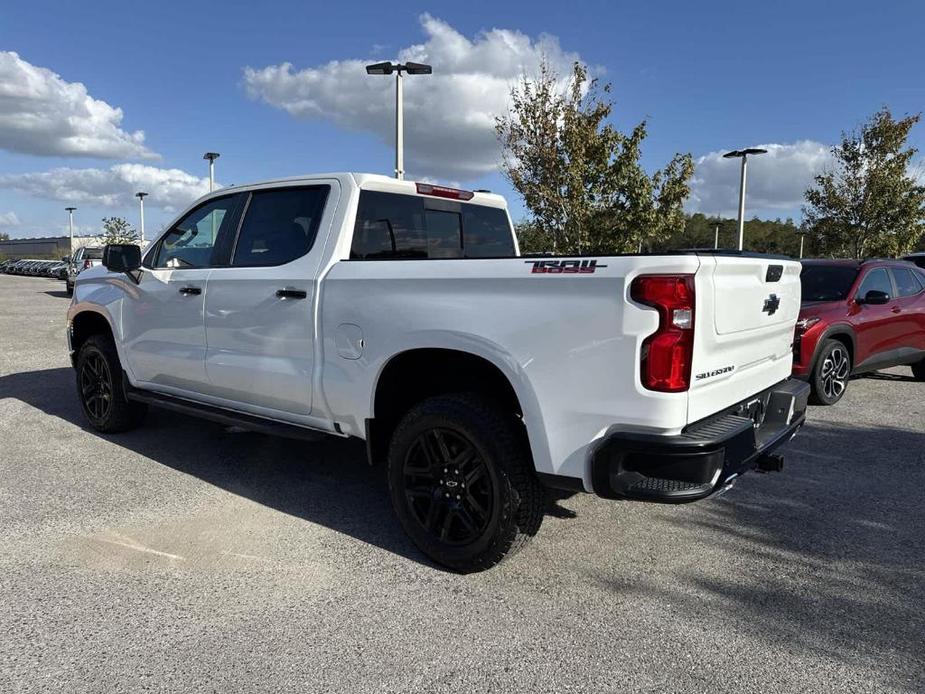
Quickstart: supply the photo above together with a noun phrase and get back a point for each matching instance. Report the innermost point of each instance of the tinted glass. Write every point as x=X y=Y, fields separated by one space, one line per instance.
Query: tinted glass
x=93 y=253
x=279 y=225
x=389 y=226
x=876 y=280
x=826 y=282
x=193 y=241
x=486 y=232
x=906 y=282
x=444 y=234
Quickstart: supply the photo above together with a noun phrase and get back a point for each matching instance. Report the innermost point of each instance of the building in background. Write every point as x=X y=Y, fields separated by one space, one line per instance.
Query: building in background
x=46 y=247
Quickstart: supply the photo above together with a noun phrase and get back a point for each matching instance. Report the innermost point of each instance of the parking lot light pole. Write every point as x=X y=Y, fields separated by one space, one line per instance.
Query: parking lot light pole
x=141 y=212
x=211 y=156
x=398 y=68
x=743 y=155
x=70 y=228
x=718 y=223
x=802 y=238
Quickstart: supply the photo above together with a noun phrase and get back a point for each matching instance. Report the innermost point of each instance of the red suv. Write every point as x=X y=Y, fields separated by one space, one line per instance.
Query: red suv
x=858 y=316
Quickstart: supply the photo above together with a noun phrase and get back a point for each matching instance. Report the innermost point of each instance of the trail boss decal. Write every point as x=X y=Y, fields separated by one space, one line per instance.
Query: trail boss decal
x=714 y=372
x=563 y=267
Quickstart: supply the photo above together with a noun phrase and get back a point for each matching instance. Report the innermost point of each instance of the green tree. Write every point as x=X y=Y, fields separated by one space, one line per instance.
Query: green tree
x=118 y=230
x=579 y=176
x=869 y=203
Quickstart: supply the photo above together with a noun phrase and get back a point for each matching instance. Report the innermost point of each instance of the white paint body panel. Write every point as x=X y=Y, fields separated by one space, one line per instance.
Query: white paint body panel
x=569 y=344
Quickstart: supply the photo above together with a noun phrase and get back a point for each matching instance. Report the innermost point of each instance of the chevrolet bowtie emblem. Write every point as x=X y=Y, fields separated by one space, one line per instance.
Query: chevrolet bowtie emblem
x=771 y=304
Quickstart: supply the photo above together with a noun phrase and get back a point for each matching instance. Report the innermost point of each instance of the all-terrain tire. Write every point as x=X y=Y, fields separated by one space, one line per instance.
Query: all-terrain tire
x=439 y=446
x=831 y=372
x=99 y=387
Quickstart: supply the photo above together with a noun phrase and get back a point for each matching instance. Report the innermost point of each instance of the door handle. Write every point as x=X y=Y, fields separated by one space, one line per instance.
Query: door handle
x=291 y=294
x=190 y=290
x=896 y=309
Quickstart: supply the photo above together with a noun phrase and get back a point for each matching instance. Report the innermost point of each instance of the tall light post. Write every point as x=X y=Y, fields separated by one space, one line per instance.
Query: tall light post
x=70 y=228
x=211 y=156
x=398 y=69
x=141 y=211
x=802 y=238
x=743 y=154
x=718 y=223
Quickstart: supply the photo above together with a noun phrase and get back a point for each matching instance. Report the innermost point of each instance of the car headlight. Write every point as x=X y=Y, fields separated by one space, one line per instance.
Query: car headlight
x=805 y=324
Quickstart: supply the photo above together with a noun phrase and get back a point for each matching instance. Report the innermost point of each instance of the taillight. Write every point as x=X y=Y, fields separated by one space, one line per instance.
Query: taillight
x=667 y=353
x=88 y=264
x=443 y=191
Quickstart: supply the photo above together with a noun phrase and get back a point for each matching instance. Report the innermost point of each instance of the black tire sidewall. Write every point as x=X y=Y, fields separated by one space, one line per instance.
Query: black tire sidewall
x=443 y=413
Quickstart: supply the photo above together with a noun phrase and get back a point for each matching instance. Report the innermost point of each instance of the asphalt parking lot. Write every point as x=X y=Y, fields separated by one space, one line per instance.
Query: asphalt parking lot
x=187 y=557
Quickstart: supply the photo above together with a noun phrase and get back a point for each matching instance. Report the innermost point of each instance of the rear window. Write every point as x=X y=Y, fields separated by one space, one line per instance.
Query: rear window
x=907 y=283
x=827 y=282
x=93 y=253
x=391 y=225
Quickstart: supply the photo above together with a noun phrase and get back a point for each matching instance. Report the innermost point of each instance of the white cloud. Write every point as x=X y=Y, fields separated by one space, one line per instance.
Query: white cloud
x=776 y=180
x=449 y=116
x=9 y=219
x=116 y=186
x=40 y=113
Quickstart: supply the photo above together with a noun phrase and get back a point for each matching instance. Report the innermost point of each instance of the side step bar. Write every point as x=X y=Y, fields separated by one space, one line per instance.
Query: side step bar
x=227 y=417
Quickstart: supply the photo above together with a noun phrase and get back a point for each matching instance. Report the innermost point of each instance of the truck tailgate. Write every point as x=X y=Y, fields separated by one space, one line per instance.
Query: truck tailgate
x=746 y=308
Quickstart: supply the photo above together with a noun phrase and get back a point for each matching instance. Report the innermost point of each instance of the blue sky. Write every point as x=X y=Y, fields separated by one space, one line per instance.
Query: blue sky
x=707 y=76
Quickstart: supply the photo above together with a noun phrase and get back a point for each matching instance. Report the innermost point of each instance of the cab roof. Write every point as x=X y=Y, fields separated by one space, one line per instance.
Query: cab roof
x=370 y=181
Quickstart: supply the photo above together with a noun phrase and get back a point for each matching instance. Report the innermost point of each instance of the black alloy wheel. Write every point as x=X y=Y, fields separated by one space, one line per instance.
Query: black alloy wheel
x=96 y=387
x=99 y=387
x=447 y=485
x=462 y=481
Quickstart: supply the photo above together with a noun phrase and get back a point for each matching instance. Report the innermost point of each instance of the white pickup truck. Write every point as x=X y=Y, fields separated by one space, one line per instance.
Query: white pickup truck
x=402 y=313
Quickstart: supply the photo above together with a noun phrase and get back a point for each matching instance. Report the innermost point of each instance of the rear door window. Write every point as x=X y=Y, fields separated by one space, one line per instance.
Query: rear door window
x=907 y=283
x=279 y=226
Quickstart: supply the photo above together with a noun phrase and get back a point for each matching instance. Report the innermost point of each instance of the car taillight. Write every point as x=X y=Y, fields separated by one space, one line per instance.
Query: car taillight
x=88 y=264
x=667 y=353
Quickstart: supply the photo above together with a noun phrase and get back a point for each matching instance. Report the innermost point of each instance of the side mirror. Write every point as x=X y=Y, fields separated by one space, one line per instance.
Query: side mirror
x=875 y=297
x=66 y=259
x=122 y=257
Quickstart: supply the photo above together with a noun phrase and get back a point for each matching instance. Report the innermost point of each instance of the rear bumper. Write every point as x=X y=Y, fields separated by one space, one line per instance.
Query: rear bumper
x=706 y=457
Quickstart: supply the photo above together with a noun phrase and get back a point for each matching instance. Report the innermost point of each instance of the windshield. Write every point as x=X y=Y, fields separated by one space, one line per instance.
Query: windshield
x=827 y=282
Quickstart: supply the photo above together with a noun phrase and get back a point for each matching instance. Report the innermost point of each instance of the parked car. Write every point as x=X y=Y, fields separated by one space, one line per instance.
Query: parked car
x=916 y=258
x=5 y=265
x=59 y=270
x=400 y=313
x=84 y=258
x=858 y=317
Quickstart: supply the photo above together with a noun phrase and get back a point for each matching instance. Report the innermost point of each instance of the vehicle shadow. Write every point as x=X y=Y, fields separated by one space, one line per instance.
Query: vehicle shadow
x=830 y=555
x=327 y=482
x=885 y=376
x=58 y=293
